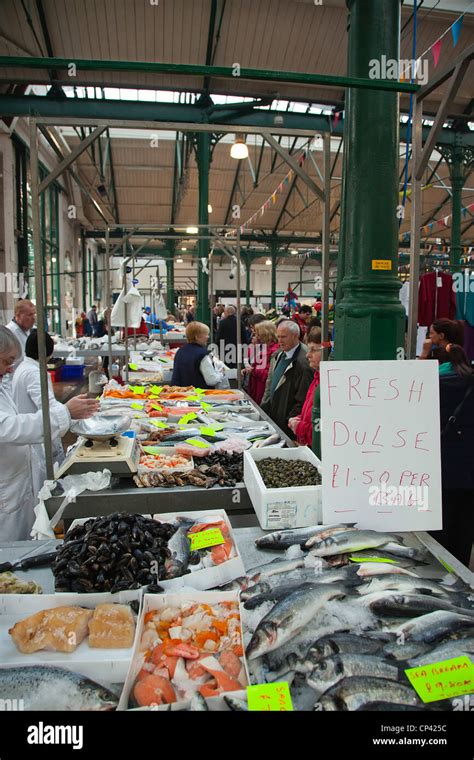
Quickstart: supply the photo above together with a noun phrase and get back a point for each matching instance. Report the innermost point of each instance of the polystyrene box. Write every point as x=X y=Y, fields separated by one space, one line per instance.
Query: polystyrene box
x=280 y=508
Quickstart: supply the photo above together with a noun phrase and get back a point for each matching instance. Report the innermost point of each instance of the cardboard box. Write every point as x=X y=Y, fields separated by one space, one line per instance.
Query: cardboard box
x=108 y=665
x=160 y=602
x=280 y=508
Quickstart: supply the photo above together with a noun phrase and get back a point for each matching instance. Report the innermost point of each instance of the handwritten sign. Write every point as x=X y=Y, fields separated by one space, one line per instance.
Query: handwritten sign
x=267 y=697
x=187 y=418
x=199 y=391
x=381 y=444
x=138 y=389
x=152 y=450
x=157 y=407
x=205 y=538
x=207 y=407
x=207 y=431
x=196 y=442
x=442 y=680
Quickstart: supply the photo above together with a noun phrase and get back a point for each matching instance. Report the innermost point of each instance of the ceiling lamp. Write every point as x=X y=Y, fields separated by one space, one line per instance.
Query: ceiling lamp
x=179 y=261
x=294 y=252
x=268 y=262
x=192 y=230
x=209 y=208
x=239 y=149
x=184 y=248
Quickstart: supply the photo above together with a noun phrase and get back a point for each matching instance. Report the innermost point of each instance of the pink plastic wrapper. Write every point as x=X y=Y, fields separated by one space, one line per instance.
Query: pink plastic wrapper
x=187 y=450
x=235 y=445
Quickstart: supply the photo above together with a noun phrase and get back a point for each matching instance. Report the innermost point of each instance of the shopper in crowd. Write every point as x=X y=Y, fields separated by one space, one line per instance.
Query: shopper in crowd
x=288 y=379
x=79 y=325
x=246 y=313
x=193 y=363
x=264 y=344
x=93 y=319
x=217 y=313
x=226 y=337
x=313 y=322
x=253 y=321
x=442 y=332
x=456 y=392
x=190 y=315
x=302 y=318
x=101 y=327
x=86 y=326
x=18 y=433
x=302 y=425
x=23 y=320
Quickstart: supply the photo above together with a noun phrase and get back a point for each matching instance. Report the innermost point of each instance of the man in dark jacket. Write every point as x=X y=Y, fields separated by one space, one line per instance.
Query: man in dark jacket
x=456 y=392
x=226 y=338
x=288 y=379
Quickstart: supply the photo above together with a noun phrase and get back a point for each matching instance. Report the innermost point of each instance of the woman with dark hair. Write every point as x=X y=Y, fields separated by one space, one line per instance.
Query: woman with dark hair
x=442 y=332
x=302 y=425
x=456 y=392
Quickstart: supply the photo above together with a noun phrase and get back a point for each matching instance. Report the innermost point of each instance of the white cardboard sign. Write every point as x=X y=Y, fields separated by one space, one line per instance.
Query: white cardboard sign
x=380 y=437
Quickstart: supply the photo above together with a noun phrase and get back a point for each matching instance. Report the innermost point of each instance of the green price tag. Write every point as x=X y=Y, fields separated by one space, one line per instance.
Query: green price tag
x=156 y=389
x=138 y=389
x=205 y=538
x=207 y=407
x=199 y=390
x=373 y=559
x=187 y=418
x=136 y=406
x=157 y=407
x=97 y=398
x=207 y=431
x=151 y=450
x=268 y=697
x=443 y=680
x=445 y=564
x=159 y=424
x=133 y=367
x=198 y=444
x=193 y=398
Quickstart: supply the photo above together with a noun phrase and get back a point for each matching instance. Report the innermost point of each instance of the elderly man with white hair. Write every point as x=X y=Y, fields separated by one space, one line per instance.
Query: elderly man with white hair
x=18 y=433
x=288 y=379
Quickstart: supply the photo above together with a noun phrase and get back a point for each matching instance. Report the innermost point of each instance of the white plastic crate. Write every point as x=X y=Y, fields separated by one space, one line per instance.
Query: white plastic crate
x=280 y=508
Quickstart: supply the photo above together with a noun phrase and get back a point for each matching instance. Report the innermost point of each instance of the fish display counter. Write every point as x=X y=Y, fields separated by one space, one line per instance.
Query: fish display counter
x=339 y=614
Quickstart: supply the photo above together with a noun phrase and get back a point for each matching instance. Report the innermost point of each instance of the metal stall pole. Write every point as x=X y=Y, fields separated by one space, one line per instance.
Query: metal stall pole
x=415 y=231
x=325 y=248
x=134 y=329
x=239 y=324
x=211 y=291
x=124 y=286
x=40 y=311
x=108 y=298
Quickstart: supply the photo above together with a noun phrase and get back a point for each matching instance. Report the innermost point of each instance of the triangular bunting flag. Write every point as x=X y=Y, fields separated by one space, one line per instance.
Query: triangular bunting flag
x=446 y=221
x=456 y=30
x=436 y=50
x=430 y=226
x=464 y=211
x=337 y=116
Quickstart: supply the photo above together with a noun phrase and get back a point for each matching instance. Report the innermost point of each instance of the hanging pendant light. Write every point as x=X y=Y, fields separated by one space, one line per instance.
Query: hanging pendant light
x=239 y=149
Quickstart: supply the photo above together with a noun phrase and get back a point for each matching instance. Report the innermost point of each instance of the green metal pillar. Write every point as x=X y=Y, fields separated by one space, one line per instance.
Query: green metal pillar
x=248 y=264
x=370 y=318
x=170 y=295
x=460 y=160
x=203 y=140
x=273 y=256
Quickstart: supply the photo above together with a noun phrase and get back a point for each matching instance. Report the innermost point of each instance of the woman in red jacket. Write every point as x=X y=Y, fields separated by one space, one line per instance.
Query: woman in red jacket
x=302 y=426
x=264 y=344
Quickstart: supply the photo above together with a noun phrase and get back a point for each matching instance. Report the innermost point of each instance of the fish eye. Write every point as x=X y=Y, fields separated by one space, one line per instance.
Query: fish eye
x=323 y=665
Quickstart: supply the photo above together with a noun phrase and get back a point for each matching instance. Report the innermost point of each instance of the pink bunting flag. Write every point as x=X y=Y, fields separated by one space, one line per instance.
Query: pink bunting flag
x=436 y=50
x=337 y=116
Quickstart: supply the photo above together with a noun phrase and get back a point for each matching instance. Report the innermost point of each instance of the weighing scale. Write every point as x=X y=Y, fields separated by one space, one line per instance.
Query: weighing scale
x=102 y=444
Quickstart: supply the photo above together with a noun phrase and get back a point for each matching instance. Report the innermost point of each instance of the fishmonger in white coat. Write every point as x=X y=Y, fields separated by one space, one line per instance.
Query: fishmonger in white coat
x=18 y=432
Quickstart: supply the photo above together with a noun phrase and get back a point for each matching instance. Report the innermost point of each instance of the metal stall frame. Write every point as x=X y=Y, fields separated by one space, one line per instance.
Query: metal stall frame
x=454 y=72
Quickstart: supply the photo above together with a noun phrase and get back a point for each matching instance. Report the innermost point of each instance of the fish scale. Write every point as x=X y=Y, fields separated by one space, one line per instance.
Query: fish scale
x=43 y=687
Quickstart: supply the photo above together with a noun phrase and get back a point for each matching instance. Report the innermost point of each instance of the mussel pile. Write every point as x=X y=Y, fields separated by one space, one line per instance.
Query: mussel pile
x=287 y=473
x=114 y=553
x=220 y=468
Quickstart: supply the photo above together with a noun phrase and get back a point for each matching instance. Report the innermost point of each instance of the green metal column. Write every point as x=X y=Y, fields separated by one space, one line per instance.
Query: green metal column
x=273 y=256
x=370 y=318
x=203 y=140
x=460 y=160
x=248 y=264
x=170 y=295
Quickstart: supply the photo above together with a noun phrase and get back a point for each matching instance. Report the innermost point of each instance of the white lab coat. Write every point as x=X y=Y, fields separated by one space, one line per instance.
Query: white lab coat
x=26 y=386
x=17 y=433
x=19 y=333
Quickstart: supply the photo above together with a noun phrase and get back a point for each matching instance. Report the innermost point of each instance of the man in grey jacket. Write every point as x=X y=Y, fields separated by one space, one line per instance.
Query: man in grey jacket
x=288 y=379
